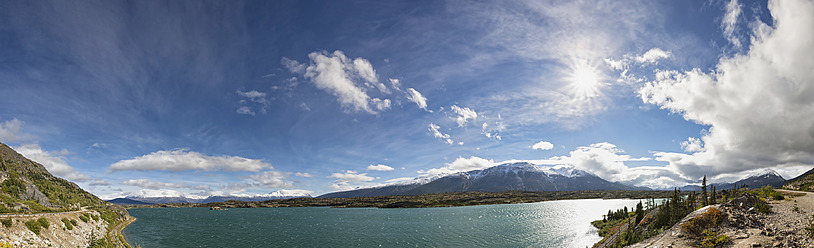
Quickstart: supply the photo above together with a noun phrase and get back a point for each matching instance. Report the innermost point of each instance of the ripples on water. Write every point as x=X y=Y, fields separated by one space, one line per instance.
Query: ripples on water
x=545 y=224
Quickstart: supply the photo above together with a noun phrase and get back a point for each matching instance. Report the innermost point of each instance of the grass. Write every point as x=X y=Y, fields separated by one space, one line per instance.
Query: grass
x=712 y=239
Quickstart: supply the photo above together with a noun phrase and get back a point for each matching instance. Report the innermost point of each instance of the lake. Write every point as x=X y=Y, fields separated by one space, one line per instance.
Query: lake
x=564 y=223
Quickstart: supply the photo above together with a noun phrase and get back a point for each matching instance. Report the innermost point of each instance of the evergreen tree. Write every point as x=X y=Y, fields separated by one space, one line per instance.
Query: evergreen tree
x=713 y=196
x=639 y=212
x=704 y=199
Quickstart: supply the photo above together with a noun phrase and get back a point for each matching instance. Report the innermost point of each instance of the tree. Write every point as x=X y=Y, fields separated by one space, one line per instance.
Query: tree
x=704 y=199
x=639 y=212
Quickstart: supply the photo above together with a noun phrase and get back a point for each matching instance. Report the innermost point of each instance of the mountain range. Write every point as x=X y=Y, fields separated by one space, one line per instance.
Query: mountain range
x=755 y=180
x=520 y=176
x=147 y=200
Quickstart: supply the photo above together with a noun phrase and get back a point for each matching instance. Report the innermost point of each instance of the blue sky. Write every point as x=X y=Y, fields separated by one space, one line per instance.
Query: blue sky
x=248 y=98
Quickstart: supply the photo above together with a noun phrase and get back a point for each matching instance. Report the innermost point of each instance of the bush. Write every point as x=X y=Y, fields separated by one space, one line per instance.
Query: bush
x=67 y=223
x=712 y=239
x=6 y=222
x=762 y=206
x=696 y=226
x=94 y=217
x=44 y=222
x=34 y=226
x=74 y=222
x=84 y=218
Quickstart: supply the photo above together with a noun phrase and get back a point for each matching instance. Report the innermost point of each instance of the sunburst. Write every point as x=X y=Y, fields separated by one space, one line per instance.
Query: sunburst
x=584 y=81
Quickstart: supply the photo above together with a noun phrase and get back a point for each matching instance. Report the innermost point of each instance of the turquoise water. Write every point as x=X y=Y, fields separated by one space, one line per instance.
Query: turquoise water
x=545 y=224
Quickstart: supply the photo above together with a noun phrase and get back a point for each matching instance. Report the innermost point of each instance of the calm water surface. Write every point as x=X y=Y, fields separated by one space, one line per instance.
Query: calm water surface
x=545 y=224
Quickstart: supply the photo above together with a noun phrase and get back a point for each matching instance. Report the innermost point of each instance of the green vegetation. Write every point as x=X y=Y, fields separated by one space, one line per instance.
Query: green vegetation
x=67 y=223
x=713 y=239
x=37 y=225
x=74 y=222
x=84 y=218
x=6 y=222
x=767 y=192
x=700 y=224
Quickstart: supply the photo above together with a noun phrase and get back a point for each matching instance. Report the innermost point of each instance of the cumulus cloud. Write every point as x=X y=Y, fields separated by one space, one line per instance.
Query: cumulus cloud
x=274 y=179
x=347 y=79
x=435 y=131
x=183 y=159
x=379 y=167
x=543 y=145
x=417 y=98
x=53 y=162
x=729 y=22
x=463 y=115
x=396 y=83
x=11 y=131
x=293 y=66
x=460 y=164
x=759 y=105
x=149 y=184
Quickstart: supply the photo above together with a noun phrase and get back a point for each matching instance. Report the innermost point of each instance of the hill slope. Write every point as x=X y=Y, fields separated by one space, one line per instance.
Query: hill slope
x=804 y=182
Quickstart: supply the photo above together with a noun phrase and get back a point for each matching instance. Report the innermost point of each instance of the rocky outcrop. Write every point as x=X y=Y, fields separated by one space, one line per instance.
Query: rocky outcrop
x=33 y=193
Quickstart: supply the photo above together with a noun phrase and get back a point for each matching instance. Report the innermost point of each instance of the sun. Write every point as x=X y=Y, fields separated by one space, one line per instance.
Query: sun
x=584 y=80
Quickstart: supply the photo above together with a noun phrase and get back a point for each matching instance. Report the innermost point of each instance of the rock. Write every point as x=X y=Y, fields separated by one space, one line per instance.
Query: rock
x=741 y=236
x=777 y=244
x=756 y=244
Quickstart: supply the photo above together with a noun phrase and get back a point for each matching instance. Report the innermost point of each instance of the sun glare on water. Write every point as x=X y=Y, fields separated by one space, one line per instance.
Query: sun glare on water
x=584 y=80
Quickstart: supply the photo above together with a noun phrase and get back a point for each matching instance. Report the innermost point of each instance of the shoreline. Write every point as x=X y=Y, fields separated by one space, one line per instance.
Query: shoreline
x=117 y=230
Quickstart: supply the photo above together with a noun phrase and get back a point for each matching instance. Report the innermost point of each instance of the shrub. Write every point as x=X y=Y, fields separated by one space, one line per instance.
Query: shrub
x=44 y=222
x=74 y=222
x=67 y=223
x=762 y=206
x=712 y=239
x=34 y=226
x=6 y=222
x=84 y=218
x=94 y=217
x=696 y=226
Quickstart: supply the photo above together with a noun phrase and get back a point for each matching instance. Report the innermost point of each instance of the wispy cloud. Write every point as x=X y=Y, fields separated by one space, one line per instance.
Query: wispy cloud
x=417 y=98
x=436 y=132
x=12 y=131
x=463 y=115
x=149 y=184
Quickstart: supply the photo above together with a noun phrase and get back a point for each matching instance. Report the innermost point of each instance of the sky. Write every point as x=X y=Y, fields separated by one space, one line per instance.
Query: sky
x=199 y=98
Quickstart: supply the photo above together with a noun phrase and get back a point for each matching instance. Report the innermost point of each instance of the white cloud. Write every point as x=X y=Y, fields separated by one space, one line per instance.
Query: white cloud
x=543 y=145
x=274 y=179
x=99 y=182
x=257 y=98
x=460 y=164
x=149 y=184
x=11 y=131
x=652 y=56
x=54 y=163
x=692 y=145
x=729 y=22
x=352 y=176
x=417 y=98
x=245 y=110
x=759 y=105
x=464 y=115
x=350 y=180
x=395 y=83
x=183 y=159
x=337 y=74
x=303 y=174
x=434 y=130
x=293 y=66
x=379 y=167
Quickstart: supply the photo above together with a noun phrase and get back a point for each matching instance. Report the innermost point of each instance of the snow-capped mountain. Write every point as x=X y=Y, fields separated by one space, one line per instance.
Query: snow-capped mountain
x=754 y=180
x=191 y=198
x=510 y=176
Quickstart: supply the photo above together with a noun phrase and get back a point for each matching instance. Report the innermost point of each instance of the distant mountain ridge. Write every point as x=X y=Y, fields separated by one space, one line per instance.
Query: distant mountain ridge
x=146 y=200
x=521 y=176
x=755 y=180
